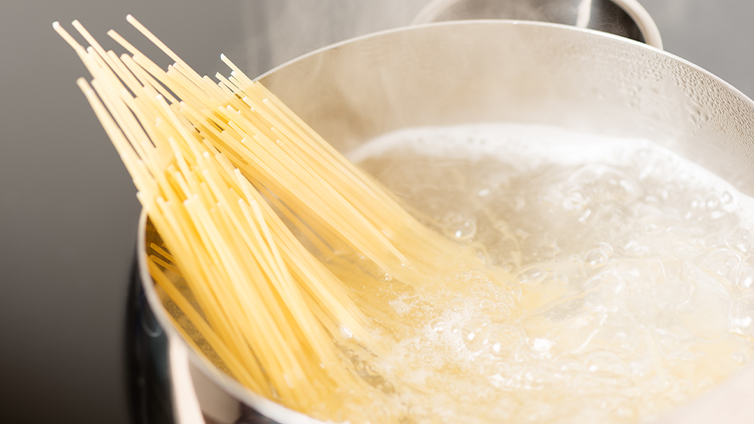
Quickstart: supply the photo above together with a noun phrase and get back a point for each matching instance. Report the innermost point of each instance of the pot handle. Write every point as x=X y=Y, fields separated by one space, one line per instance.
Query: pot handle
x=186 y=408
x=432 y=12
x=642 y=19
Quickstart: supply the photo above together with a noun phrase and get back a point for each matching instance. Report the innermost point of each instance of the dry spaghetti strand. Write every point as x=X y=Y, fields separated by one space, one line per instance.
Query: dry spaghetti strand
x=224 y=171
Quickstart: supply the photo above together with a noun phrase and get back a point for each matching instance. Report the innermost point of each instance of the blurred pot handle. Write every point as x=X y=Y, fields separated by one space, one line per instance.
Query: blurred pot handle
x=432 y=11
x=646 y=24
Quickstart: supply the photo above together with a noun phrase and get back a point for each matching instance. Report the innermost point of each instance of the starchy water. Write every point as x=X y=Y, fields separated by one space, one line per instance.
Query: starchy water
x=631 y=286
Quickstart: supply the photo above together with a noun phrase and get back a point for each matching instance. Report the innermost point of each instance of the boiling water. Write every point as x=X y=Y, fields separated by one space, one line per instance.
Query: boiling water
x=632 y=276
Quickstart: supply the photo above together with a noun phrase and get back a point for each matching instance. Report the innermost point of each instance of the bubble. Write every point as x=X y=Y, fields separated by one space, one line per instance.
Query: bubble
x=596 y=258
x=742 y=315
x=722 y=262
x=474 y=333
x=636 y=249
x=373 y=370
x=741 y=239
x=542 y=346
x=532 y=275
x=503 y=309
x=438 y=326
x=535 y=378
x=745 y=281
x=459 y=227
x=457 y=306
x=641 y=367
x=487 y=305
x=504 y=340
x=602 y=183
x=728 y=201
x=739 y=357
x=575 y=200
x=463 y=276
x=711 y=201
x=502 y=381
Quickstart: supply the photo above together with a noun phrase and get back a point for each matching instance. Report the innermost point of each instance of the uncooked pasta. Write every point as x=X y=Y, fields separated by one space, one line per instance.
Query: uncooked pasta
x=236 y=184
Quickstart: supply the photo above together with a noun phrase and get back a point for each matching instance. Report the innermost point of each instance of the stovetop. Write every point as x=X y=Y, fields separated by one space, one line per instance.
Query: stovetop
x=69 y=211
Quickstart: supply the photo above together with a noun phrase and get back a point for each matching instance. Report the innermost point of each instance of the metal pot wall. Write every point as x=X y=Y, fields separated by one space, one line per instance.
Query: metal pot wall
x=487 y=71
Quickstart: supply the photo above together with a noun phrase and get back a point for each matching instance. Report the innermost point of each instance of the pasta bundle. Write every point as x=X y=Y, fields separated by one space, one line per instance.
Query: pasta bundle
x=227 y=174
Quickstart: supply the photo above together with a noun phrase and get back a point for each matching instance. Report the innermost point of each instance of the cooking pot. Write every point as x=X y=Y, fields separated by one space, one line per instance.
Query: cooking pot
x=490 y=71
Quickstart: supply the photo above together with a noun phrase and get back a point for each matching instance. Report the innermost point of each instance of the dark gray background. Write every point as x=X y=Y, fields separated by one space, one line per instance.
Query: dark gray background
x=67 y=204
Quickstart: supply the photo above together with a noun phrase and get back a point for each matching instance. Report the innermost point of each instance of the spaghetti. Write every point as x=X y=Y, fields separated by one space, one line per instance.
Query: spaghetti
x=228 y=174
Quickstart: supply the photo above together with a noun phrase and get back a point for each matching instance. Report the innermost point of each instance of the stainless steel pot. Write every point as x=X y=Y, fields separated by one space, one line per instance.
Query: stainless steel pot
x=482 y=71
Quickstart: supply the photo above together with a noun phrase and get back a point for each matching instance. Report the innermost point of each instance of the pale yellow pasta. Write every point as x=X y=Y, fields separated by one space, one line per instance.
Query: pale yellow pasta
x=221 y=168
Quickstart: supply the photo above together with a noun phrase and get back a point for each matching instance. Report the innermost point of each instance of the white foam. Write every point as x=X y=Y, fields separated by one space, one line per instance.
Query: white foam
x=631 y=265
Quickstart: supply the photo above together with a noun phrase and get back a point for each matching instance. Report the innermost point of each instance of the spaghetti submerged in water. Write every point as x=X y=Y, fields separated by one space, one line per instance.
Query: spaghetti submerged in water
x=227 y=174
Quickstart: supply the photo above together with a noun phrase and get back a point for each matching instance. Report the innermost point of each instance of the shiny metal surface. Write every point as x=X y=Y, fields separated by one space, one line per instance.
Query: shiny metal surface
x=626 y=18
x=460 y=72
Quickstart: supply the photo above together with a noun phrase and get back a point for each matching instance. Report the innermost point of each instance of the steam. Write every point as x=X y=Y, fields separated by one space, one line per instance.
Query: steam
x=277 y=31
